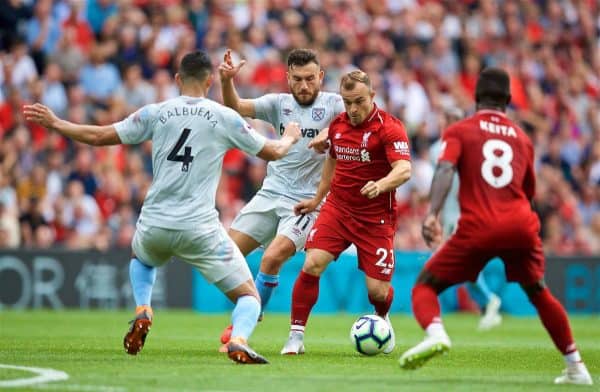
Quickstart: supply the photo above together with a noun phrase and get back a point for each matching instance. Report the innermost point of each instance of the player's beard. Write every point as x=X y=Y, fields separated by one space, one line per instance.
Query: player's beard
x=305 y=100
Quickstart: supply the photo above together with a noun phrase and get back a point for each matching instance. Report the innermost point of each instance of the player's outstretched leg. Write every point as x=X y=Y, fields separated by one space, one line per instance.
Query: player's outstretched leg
x=304 y=297
x=555 y=320
x=264 y=284
x=244 y=318
x=426 y=309
x=142 y=279
x=140 y=326
x=382 y=308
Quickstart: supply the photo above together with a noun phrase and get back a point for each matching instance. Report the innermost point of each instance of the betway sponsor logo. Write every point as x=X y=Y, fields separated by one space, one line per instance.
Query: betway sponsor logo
x=306 y=132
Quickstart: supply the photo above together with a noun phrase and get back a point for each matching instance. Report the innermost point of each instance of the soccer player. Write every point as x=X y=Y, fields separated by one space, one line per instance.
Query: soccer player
x=485 y=298
x=268 y=219
x=190 y=134
x=494 y=161
x=368 y=159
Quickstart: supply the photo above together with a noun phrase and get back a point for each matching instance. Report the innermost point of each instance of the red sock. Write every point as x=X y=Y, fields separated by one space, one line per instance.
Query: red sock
x=554 y=318
x=383 y=307
x=426 y=307
x=304 y=297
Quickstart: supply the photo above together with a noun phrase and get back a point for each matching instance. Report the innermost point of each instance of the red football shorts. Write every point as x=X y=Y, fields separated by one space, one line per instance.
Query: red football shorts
x=334 y=232
x=463 y=256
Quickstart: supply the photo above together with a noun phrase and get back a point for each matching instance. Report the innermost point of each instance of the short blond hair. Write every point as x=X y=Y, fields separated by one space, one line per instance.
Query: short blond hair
x=350 y=79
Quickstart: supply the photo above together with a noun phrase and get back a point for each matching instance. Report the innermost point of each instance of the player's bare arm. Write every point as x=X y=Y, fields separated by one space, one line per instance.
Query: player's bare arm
x=320 y=143
x=89 y=134
x=307 y=206
x=277 y=149
x=399 y=174
x=440 y=186
x=227 y=71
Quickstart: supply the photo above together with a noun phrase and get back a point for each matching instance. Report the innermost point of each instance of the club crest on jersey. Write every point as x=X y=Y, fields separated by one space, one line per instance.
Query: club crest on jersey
x=365 y=139
x=365 y=156
x=286 y=111
x=318 y=114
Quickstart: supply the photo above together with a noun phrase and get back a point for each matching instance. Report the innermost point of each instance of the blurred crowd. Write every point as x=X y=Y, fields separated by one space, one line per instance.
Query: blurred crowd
x=96 y=61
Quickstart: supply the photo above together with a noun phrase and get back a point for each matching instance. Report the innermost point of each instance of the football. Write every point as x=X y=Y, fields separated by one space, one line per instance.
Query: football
x=370 y=334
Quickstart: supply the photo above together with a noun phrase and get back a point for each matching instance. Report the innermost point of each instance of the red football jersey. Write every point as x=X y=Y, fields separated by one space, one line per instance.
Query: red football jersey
x=364 y=153
x=494 y=160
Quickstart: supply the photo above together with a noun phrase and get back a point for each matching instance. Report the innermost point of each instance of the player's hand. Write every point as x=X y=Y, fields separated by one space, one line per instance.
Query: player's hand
x=292 y=129
x=371 y=190
x=320 y=143
x=40 y=114
x=227 y=69
x=432 y=231
x=306 y=206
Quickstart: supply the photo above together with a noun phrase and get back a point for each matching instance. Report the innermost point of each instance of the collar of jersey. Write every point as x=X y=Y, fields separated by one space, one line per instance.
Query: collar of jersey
x=491 y=111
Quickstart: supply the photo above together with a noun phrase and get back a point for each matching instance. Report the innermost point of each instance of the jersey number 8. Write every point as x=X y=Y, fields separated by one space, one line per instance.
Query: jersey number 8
x=502 y=162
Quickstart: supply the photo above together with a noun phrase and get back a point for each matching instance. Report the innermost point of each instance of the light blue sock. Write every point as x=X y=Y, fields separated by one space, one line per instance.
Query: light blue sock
x=265 y=284
x=245 y=316
x=142 y=279
x=480 y=291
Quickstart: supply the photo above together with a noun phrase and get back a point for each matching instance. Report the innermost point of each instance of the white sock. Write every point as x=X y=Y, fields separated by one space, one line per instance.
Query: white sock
x=297 y=328
x=573 y=357
x=436 y=328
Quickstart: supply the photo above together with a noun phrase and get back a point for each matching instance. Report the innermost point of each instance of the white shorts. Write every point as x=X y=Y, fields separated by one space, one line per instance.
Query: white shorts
x=208 y=248
x=266 y=216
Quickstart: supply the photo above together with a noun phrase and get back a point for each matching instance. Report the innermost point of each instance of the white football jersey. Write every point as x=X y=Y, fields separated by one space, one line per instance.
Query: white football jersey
x=297 y=175
x=189 y=138
x=451 y=209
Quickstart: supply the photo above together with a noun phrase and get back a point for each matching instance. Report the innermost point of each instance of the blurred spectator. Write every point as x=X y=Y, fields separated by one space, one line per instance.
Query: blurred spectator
x=54 y=94
x=99 y=93
x=43 y=32
x=19 y=67
x=135 y=91
x=81 y=215
x=82 y=171
x=82 y=31
x=98 y=11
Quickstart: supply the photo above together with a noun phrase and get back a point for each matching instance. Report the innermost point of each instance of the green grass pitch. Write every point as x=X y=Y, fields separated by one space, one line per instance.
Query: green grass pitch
x=181 y=355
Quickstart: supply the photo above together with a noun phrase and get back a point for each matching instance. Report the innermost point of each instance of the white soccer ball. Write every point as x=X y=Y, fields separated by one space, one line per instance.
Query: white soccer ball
x=370 y=334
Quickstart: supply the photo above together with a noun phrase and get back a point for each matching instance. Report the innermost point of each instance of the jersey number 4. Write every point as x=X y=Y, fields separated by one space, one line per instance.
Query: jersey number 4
x=187 y=157
x=503 y=173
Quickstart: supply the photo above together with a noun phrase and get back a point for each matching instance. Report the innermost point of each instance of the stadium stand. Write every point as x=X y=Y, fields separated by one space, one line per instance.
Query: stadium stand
x=96 y=61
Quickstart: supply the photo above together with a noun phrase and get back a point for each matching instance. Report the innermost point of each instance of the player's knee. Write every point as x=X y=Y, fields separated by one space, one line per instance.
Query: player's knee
x=378 y=294
x=428 y=279
x=272 y=261
x=313 y=267
x=533 y=289
x=245 y=289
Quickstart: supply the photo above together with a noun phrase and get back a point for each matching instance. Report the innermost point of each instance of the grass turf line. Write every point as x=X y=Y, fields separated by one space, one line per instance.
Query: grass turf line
x=181 y=354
